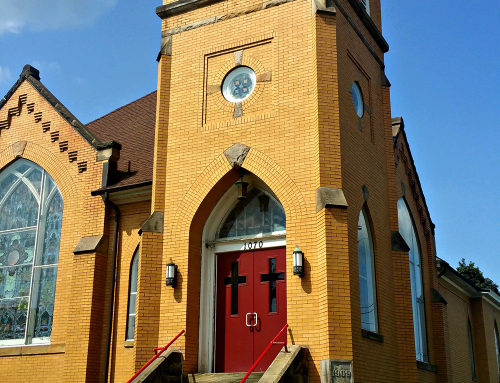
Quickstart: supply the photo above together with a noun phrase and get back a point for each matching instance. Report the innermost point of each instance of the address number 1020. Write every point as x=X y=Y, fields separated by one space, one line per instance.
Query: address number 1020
x=253 y=245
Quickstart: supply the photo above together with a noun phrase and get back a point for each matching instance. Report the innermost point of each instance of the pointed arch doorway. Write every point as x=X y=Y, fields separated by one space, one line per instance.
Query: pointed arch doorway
x=243 y=280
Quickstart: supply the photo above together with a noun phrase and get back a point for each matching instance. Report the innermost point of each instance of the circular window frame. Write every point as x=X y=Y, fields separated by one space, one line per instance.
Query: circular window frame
x=357 y=94
x=230 y=75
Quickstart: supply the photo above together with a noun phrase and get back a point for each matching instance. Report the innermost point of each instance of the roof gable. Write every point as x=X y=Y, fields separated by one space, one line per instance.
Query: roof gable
x=402 y=153
x=32 y=76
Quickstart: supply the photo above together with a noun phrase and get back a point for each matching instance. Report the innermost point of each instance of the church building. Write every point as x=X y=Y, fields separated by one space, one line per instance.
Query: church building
x=263 y=192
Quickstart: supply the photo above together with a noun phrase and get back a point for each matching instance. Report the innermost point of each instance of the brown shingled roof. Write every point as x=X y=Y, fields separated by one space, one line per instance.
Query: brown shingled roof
x=133 y=126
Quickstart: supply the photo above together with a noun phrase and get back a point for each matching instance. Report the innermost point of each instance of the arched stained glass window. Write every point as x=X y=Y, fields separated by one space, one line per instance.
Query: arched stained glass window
x=259 y=213
x=367 y=290
x=408 y=232
x=132 y=296
x=31 y=210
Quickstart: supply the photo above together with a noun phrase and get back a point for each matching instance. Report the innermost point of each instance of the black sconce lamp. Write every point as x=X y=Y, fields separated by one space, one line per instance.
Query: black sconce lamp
x=171 y=279
x=298 y=262
x=241 y=186
x=264 y=203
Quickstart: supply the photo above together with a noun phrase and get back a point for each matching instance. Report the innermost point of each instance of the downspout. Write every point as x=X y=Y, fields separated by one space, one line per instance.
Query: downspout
x=112 y=280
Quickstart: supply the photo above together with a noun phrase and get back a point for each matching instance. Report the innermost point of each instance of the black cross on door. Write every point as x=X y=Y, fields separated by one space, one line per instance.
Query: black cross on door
x=234 y=281
x=272 y=277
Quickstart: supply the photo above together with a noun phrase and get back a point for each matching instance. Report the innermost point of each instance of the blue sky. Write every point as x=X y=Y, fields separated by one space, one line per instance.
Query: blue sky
x=443 y=63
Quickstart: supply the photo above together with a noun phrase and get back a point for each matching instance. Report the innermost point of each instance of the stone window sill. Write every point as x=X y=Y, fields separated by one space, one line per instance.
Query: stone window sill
x=372 y=335
x=36 y=349
x=426 y=366
x=128 y=344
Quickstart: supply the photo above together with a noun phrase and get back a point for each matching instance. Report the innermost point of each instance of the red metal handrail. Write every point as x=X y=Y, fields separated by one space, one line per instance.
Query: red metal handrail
x=157 y=354
x=266 y=350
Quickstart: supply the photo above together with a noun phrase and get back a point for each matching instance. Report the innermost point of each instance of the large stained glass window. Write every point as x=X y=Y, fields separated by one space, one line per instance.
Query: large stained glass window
x=366 y=262
x=31 y=210
x=259 y=213
x=408 y=232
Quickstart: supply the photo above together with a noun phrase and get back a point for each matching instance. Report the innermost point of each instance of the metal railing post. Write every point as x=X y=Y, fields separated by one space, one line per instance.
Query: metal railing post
x=157 y=354
x=265 y=351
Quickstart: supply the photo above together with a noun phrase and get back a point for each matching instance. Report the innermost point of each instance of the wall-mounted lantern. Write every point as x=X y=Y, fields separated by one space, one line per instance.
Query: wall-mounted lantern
x=298 y=262
x=264 y=203
x=171 y=279
x=241 y=187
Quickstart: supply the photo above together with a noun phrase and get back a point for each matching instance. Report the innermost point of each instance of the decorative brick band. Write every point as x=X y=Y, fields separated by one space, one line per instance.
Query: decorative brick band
x=167 y=42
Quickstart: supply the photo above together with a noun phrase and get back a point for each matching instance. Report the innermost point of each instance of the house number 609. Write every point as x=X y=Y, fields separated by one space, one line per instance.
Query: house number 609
x=253 y=245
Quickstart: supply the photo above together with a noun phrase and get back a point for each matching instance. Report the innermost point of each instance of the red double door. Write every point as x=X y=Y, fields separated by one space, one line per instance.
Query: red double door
x=251 y=308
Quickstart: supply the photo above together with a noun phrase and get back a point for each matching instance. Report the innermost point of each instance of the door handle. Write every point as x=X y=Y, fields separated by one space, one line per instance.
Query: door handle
x=246 y=319
x=256 y=319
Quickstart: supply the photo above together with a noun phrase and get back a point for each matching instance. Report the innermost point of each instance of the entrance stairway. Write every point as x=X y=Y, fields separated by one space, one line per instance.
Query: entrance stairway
x=223 y=378
x=287 y=367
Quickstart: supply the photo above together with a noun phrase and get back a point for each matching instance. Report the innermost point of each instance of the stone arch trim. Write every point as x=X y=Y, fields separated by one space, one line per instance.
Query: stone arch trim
x=256 y=162
x=48 y=162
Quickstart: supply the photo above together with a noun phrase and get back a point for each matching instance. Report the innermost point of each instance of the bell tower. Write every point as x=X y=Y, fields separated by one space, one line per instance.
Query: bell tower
x=295 y=91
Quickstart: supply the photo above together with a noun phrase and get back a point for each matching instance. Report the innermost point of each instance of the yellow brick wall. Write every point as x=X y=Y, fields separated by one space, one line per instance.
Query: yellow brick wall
x=83 y=216
x=459 y=310
x=122 y=364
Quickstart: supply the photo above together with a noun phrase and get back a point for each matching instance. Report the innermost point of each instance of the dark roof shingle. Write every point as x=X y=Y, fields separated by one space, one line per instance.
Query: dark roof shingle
x=133 y=126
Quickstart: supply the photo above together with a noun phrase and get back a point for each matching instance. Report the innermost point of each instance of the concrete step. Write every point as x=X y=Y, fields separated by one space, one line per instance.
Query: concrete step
x=224 y=378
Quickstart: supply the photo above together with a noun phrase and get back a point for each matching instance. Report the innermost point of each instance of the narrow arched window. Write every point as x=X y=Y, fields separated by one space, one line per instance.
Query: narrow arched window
x=132 y=297
x=408 y=232
x=31 y=209
x=497 y=348
x=471 y=351
x=367 y=289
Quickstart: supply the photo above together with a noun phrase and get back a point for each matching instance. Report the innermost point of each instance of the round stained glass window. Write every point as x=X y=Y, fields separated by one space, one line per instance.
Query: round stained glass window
x=239 y=84
x=357 y=99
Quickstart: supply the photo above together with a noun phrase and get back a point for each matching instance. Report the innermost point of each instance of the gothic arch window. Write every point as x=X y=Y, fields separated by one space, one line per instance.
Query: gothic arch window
x=132 y=296
x=31 y=209
x=408 y=232
x=259 y=214
x=497 y=348
x=471 y=350
x=367 y=287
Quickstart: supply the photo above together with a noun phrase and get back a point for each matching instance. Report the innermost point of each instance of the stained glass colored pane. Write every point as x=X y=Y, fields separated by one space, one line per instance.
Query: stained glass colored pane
x=6 y=184
x=13 y=314
x=258 y=214
x=239 y=84
x=34 y=176
x=15 y=281
x=19 y=208
x=17 y=248
x=52 y=236
x=43 y=295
